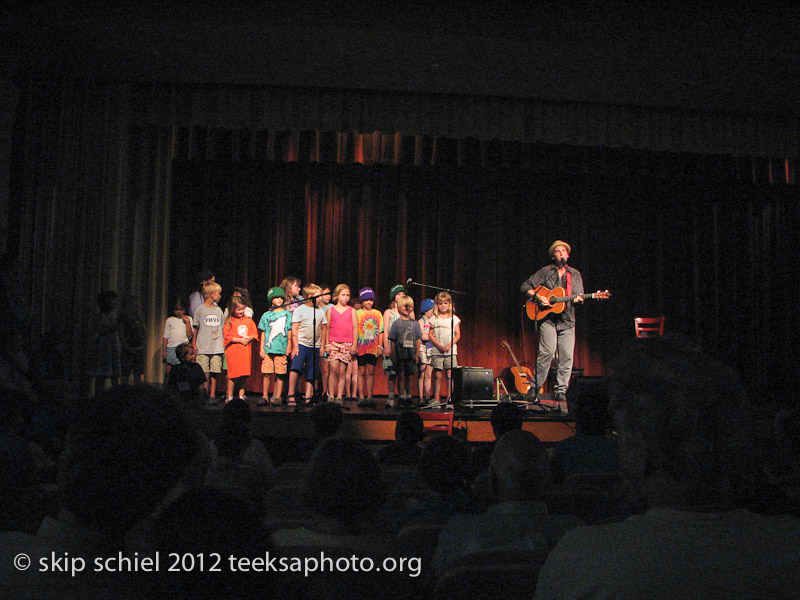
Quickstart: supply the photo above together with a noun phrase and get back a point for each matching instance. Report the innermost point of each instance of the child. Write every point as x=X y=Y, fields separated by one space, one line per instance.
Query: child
x=187 y=380
x=107 y=347
x=308 y=328
x=425 y=368
x=196 y=298
x=391 y=315
x=405 y=335
x=291 y=289
x=208 y=342
x=370 y=344
x=177 y=331
x=239 y=330
x=132 y=338
x=440 y=337
x=244 y=295
x=325 y=305
x=340 y=341
x=351 y=375
x=276 y=342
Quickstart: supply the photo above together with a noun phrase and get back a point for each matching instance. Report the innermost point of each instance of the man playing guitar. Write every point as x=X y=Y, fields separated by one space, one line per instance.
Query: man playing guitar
x=558 y=330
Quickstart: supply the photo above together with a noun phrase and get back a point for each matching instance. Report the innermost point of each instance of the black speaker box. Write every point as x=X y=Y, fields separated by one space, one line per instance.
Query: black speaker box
x=472 y=383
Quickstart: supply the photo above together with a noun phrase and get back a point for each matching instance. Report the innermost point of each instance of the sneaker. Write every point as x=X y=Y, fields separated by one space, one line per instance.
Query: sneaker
x=338 y=401
x=275 y=401
x=560 y=397
x=262 y=402
x=390 y=403
x=211 y=401
x=228 y=399
x=366 y=403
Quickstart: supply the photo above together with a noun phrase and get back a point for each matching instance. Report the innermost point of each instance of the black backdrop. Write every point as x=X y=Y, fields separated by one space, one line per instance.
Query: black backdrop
x=716 y=258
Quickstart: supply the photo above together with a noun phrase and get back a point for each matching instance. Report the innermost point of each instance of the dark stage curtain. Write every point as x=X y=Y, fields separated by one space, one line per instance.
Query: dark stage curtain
x=714 y=257
x=326 y=185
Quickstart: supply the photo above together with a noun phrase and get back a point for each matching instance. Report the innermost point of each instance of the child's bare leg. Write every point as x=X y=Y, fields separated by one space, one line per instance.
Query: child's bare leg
x=437 y=385
x=341 y=369
x=293 y=376
x=370 y=388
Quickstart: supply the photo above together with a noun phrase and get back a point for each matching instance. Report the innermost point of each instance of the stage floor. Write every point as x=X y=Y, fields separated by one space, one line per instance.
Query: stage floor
x=550 y=422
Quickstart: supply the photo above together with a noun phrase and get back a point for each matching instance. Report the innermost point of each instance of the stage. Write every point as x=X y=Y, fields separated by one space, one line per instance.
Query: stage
x=550 y=423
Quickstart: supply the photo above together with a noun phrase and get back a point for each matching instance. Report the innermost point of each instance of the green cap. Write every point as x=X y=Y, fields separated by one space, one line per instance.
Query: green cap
x=275 y=292
x=396 y=290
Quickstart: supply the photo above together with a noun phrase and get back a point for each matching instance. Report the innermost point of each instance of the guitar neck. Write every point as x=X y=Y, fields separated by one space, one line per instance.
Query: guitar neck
x=568 y=298
x=511 y=352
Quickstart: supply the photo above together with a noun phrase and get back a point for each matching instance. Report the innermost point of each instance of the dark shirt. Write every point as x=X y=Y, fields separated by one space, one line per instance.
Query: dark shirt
x=399 y=454
x=548 y=276
x=404 y=334
x=184 y=383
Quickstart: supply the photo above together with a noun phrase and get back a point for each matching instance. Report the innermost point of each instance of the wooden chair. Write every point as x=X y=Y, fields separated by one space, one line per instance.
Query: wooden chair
x=649 y=326
x=445 y=421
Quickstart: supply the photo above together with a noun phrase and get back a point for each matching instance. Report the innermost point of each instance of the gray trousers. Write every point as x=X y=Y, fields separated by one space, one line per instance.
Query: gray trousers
x=549 y=340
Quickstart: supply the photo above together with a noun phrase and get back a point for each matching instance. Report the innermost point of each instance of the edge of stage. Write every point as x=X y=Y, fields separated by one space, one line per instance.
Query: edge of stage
x=549 y=422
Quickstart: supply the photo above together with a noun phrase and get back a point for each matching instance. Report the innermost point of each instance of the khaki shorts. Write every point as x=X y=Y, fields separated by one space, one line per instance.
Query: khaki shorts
x=211 y=363
x=274 y=363
x=442 y=362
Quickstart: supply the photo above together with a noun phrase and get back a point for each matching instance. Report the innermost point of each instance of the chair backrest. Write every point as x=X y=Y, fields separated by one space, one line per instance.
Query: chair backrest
x=445 y=421
x=648 y=326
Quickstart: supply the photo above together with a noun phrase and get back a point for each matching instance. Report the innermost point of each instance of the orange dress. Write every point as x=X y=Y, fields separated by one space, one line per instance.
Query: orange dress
x=238 y=355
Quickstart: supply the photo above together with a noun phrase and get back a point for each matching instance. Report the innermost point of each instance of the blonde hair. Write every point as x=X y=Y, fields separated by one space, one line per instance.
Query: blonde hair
x=338 y=290
x=311 y=289
x=405 y=301
x=232 y=304
x=444 y=296
x=210 y=288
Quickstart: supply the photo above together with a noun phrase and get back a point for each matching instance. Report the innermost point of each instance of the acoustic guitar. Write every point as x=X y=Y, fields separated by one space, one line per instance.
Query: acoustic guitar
x=523 y=377
x=558 y=299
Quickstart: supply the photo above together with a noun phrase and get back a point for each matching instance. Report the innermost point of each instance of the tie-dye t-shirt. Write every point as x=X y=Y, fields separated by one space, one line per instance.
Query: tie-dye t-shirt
x=370 y=326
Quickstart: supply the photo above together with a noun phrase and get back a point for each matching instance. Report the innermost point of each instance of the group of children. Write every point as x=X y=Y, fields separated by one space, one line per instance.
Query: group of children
x=316 y=335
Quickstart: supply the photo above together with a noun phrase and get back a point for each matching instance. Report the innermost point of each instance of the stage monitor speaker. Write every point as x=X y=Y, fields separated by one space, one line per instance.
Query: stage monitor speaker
x=472 y=383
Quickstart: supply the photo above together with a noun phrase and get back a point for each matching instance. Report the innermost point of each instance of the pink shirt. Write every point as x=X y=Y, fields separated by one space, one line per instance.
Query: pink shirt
x=340 y=325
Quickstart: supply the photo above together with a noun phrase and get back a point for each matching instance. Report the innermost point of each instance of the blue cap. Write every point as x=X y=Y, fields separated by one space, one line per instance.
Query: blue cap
x=426 y=305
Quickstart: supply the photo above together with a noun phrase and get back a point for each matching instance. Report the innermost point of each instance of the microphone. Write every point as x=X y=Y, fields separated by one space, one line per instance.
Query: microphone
x=563 y=262
x=408 y=282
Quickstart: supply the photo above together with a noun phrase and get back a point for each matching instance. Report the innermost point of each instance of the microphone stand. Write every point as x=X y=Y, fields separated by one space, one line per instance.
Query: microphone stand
x=452 y=337
x=534 y=399
x=313 y=400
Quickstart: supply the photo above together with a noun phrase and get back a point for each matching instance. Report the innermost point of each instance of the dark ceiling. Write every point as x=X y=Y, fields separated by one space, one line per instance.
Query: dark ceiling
x=645 y=54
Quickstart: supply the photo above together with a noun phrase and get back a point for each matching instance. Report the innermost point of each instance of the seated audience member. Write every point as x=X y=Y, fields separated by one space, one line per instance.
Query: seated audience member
x=239 y=443
x=24 y=465
x=233 y=473
x=342 y=486
x=206 y=522
x=518 y=473
x=126 y=452
x=444 y=467
x=326 y=418
x=589 y=450
x=683 y=426
x=505 y=417
x=409 y=431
